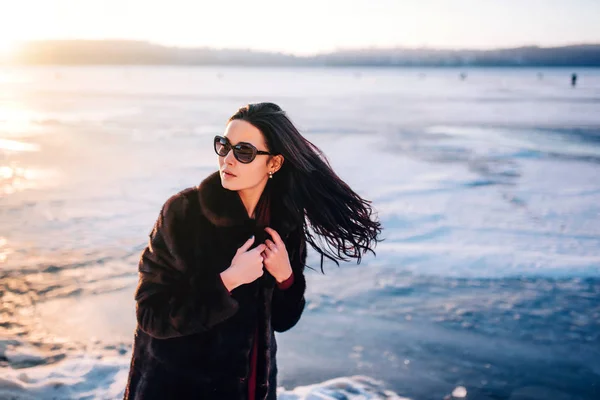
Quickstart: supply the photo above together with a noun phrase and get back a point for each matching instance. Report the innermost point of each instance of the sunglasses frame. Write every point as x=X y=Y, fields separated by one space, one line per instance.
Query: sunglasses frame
x=236 y=147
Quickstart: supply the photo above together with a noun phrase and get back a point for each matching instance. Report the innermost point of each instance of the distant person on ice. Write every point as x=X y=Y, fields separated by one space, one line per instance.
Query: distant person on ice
x=224 y=266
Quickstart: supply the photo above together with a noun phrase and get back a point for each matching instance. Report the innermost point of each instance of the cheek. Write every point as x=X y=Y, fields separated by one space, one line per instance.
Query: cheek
x=252 y=175
x=258 y=173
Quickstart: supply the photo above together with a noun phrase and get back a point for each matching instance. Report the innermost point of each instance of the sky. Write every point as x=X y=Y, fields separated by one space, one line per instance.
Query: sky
x=308 y=26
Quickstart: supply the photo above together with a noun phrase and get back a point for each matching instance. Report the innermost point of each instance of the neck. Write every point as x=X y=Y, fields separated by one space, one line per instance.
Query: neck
x=250 y=197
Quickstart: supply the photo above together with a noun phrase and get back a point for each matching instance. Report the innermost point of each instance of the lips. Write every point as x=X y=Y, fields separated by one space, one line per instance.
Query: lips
x=228 y=173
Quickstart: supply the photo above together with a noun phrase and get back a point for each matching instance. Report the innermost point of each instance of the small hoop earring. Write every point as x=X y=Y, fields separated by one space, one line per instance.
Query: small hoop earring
x=270 y=175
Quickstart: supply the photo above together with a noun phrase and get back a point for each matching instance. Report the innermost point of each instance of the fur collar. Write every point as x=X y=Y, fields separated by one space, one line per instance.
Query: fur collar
x=222 y=207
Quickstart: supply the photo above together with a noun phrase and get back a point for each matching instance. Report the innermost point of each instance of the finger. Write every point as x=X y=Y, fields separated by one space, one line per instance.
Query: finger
x=246 y=245
x=274 y=235
x=270 y=245
x=272 y=250
x=260 y=248
x=267 y=252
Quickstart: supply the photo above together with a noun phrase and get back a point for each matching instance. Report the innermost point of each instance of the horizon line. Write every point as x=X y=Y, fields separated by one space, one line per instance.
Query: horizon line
x=18 y=44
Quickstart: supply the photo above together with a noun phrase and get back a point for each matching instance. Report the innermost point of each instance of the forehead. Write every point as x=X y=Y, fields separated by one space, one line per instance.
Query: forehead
x=242 y=131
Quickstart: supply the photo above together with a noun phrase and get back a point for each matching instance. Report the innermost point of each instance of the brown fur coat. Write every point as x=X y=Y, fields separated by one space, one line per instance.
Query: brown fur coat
x=193 y=339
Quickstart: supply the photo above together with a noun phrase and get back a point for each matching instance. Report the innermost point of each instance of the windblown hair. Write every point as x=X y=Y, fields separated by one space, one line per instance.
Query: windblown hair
x=310 y=192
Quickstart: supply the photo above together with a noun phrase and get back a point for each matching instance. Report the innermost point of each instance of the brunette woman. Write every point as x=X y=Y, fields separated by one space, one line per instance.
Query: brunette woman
x=224 y=266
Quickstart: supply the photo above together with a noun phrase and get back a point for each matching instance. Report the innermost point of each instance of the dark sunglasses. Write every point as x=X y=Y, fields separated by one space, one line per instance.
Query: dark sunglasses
x=243 y=152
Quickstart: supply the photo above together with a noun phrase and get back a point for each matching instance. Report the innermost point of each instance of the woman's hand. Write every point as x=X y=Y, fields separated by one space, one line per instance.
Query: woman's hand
x=246 y=266
x=275 y=257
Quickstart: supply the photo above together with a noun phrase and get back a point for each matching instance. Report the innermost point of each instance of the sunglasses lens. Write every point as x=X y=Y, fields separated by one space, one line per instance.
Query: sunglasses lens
x=221 y=147
x=244 y=153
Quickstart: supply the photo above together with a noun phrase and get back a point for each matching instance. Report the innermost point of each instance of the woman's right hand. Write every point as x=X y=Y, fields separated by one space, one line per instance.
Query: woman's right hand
x=246 y=265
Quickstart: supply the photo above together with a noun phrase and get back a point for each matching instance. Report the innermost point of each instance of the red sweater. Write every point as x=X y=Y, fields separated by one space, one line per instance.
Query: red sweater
x=253 y=356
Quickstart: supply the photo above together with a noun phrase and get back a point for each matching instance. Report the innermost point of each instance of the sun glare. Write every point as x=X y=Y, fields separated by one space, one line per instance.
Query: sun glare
x=7 y=46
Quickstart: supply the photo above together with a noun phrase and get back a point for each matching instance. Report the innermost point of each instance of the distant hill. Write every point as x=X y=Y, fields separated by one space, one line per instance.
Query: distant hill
x=127 y=52
x=580 y=55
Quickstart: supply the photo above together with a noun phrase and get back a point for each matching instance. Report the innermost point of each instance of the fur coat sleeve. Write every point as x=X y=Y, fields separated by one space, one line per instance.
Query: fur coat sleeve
x=288 y=304
x=173 y=297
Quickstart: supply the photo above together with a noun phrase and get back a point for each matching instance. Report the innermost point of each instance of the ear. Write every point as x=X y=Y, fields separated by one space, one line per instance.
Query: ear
x=276 y=162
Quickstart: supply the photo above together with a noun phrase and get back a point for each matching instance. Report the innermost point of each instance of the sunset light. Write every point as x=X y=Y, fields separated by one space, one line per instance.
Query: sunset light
x=138 y=262
x=307 y=27
x=7 y=46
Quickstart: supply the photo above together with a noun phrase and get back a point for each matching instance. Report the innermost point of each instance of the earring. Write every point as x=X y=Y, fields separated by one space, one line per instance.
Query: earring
x=270 y=175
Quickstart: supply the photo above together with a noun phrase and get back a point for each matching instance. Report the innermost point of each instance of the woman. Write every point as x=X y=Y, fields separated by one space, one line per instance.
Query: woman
x=224 y=266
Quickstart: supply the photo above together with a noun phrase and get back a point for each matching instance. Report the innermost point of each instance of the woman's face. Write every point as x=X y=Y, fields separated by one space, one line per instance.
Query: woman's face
x=251 y=174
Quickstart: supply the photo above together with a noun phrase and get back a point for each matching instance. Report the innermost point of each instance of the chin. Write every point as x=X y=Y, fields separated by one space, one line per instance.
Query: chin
x=228 y=185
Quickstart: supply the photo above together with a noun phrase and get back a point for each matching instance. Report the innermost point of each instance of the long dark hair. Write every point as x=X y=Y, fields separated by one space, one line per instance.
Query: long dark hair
x=310 y=191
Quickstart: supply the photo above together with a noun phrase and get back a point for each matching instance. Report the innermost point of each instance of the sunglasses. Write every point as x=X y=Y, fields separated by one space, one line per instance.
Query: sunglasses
x=243 y=152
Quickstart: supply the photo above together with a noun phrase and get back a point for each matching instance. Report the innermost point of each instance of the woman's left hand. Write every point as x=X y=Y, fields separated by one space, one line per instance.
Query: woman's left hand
x=275 y=257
